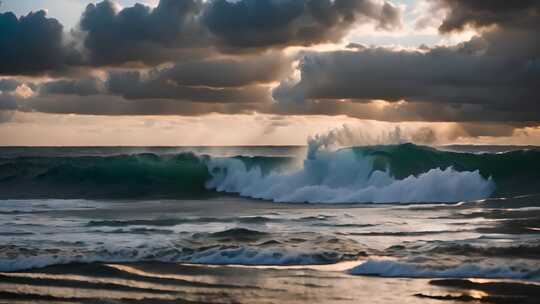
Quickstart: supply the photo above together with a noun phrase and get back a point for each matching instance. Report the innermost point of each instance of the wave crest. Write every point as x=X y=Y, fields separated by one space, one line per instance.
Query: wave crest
x=344 y=176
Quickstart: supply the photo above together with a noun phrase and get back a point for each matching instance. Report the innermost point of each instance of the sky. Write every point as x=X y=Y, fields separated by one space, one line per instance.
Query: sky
x=267 y=72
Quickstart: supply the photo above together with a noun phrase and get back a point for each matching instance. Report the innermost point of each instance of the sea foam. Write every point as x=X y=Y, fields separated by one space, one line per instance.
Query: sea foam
x=342 y=176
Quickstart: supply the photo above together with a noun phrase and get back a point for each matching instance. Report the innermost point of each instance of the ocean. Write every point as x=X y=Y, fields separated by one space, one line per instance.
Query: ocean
x=368 y=224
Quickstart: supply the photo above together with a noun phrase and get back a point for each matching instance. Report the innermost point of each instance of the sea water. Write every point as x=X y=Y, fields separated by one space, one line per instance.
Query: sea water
x=138 y=223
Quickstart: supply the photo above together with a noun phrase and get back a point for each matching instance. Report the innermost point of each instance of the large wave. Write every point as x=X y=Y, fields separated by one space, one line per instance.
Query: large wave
x=345 y=177
x=381 y=173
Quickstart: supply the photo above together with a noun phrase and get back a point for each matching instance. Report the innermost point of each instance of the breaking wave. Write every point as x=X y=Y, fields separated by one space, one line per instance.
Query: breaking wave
x=345 y=177
x=380 y=174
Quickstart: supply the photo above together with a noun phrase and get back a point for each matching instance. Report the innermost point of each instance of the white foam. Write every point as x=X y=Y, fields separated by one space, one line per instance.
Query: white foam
x=345 y=177
x=389 y=268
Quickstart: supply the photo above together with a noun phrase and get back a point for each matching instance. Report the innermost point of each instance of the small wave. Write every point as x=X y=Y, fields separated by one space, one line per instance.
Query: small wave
x=260 y=254
x=389 y=268
x=245 y=255
x=237 y=245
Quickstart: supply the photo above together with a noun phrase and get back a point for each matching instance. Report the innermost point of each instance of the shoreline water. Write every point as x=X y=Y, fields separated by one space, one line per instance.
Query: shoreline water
x=183 y=250
x=174 y=283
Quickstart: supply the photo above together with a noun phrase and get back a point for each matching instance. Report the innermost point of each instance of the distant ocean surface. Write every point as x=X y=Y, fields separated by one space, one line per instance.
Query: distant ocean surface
x=268 y=224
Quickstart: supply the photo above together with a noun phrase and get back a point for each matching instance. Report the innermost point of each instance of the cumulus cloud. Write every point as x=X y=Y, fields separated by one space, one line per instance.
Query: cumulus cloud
x=149 y=35
x=193 y=57
x=235 y=79
x=135 y=85
x=493 y=76
x=482 y=13
x=140 y=33
x=32 y=44
x=267 y=23
x=229 y=72
x=173 y=31
x=441 y=75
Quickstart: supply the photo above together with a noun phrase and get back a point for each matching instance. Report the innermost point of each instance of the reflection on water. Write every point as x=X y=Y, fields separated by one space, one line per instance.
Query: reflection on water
x=168 y=283
x=184 y=251
x=175 y=283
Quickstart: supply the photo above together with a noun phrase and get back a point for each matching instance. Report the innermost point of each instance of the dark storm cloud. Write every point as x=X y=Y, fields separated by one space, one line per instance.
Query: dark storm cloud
x=447 y=75
x=444 y=76
x=177 y=30
x=482 y=13
x=135 y=85
x=494 y=76
x=229 y=72
x=139 y=33
x=269 y=23
x=236 y=79
x=31 y=44
x=516 y=24
x=222 y=56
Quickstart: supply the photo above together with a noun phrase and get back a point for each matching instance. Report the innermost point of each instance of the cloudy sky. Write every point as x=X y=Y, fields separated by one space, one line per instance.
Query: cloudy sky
x=255 y=72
